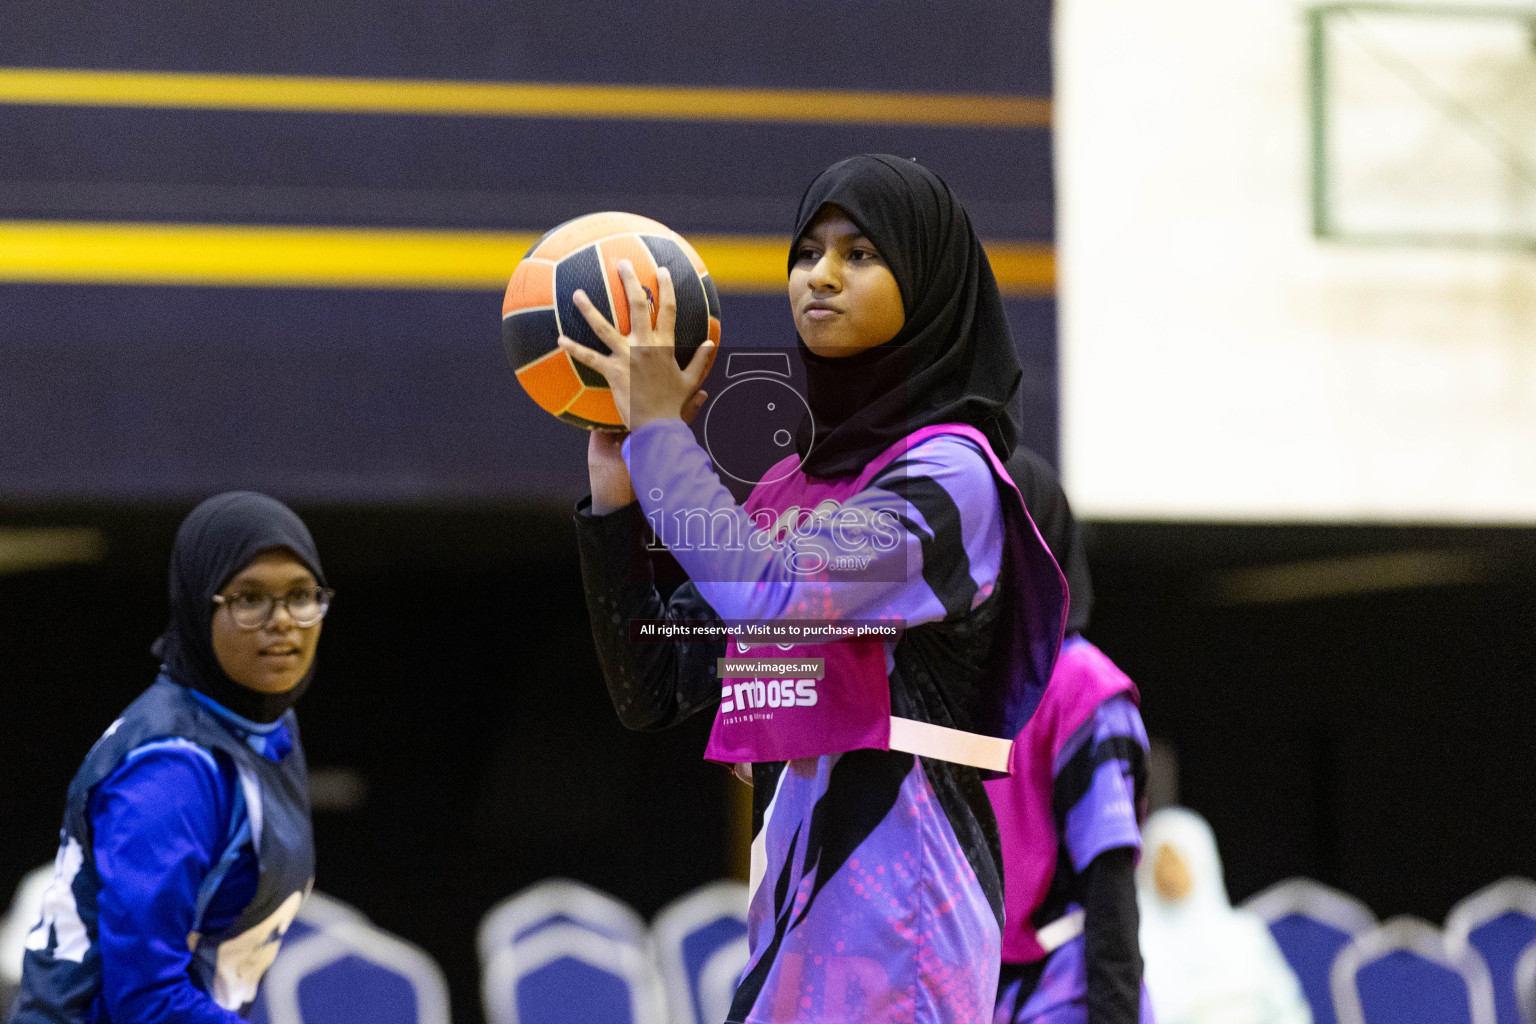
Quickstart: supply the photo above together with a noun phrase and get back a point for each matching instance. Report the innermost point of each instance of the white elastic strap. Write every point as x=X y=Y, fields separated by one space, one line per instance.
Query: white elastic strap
x=1060 y=931
x=946 y=744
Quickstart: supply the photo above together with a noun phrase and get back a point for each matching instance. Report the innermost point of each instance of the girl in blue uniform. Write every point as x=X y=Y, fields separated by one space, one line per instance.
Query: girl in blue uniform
x=186 y=848
x=876 y=873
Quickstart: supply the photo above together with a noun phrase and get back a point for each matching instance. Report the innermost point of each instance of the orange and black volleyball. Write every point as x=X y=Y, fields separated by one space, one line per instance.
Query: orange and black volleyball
x=584 y=254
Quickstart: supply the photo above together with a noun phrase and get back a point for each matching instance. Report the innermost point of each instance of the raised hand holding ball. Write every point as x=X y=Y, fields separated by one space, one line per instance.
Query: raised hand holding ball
x=583 y=255
x=642 y=368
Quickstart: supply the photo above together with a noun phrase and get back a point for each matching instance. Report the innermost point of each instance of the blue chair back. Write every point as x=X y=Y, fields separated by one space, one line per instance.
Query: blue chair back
x=564 y=973
x=1499 y=922
x=1525 y=984
x=1403 y=973
x=352 y=973
x=1311 y=922
x=318 y=913
x=561 y=951
x=554 y=901
x=701 y=948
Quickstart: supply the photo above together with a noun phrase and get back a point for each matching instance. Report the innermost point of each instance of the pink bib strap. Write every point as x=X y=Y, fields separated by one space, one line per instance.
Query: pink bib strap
x=945 y=744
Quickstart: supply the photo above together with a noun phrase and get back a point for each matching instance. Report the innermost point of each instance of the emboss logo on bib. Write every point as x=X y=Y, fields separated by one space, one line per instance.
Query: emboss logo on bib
x=757 y=694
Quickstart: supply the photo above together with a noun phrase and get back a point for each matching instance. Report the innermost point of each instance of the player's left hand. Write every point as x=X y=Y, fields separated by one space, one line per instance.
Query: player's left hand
x=609 y=476
x=641 y=367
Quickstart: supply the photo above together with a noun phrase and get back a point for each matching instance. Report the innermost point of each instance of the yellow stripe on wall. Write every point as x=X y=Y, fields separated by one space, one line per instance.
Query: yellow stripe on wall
x=70 y=252
x=67 y=87
x=200 y=254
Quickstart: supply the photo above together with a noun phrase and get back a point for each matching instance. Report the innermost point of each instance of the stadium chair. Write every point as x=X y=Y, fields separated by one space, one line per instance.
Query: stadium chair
x=558 y=900
x=560 y=951
x=1525 y=984
x=1499 y=922
x=26 y=907
x=1403 y=973
x=363 y=974
x=1311 y=922
x=318 y=913
x=701 y=948
x=350 y=972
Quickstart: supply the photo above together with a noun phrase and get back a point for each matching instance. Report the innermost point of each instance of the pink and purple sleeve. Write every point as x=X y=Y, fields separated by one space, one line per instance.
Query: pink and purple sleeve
x=922 y=543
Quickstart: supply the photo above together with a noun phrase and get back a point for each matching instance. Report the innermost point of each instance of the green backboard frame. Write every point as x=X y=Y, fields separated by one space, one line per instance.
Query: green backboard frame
x=1326 y=221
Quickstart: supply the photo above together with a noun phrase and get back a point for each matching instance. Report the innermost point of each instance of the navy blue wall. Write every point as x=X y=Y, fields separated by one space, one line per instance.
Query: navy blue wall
x=957 y=46
x=129 y=392
x=154 y=393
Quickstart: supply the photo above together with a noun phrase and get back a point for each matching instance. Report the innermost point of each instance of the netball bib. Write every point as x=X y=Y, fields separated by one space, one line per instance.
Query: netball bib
x=849 y=706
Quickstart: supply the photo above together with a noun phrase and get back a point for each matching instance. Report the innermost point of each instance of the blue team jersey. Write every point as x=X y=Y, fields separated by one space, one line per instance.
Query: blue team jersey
x=185 y=853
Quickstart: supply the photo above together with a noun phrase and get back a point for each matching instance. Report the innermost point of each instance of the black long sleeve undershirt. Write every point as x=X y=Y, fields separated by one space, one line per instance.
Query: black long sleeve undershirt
x=1110 y=934
x=1111 y=946
x=653 y=685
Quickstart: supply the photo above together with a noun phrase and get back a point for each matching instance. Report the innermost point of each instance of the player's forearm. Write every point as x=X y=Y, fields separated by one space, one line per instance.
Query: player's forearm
x=609 y=477
x=652 y=685
x=1110 y=928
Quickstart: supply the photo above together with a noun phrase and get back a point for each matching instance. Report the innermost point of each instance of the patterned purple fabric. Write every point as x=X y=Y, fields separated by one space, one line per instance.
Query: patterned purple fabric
x=1087 y=745
x=1026 y=802
x=682 y=498
x=865 y=904
x=1059 y=998
x=857 y=549
x=900 y=931
x=1103 y=817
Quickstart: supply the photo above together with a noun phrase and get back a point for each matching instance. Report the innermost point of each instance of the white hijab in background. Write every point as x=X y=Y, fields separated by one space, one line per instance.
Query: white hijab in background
x=1206 y=963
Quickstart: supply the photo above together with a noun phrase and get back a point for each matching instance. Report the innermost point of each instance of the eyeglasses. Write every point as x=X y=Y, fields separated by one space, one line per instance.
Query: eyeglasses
x=306 y=606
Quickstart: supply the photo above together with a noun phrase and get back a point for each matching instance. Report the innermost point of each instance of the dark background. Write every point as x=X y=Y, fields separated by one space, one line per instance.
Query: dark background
x=1378 y=741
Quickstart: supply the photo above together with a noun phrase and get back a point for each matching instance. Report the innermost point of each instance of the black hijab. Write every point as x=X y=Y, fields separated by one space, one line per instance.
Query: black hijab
x=1048 y=507
x=953 y=361
x=218 y=539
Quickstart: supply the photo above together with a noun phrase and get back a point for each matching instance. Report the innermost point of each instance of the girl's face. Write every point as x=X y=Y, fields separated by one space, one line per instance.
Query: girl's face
x=275 y=656
x=844 y=298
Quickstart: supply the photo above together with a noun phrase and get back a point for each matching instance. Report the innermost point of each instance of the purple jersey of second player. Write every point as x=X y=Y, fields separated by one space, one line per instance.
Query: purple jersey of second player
x=1093 y=744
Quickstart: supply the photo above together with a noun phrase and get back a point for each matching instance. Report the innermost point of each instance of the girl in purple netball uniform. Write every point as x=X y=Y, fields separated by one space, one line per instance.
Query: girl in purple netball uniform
x=1069 y=815
x=876 y=872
